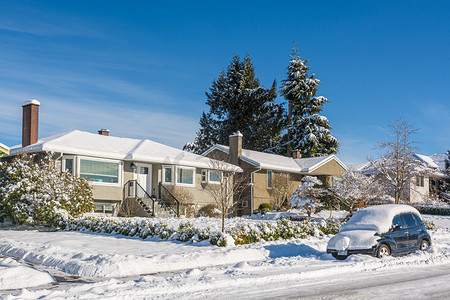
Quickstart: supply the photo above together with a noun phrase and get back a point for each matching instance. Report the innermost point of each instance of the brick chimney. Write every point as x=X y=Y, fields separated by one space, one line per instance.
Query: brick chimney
x=104 y=132
x=296 y=154
x=235 y=147
x=30 y=122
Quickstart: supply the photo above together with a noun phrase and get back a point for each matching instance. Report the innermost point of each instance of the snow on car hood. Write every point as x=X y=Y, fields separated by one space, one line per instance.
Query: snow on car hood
x=353 y=239
x=376 y=218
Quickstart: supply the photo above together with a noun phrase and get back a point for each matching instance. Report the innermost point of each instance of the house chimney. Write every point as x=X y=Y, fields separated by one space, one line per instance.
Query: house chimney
x=30 y=122
x=235 y=147
x=296 y=154
x=104 y=132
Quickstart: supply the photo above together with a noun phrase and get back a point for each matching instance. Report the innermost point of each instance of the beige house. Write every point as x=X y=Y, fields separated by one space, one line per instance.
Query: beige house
x=261 y=168
x=122 y=168
x=421 y=188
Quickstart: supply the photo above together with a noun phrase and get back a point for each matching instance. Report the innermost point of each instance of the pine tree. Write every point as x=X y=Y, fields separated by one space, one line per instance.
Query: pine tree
x=237 y=101
x=307 y=130
x=444 y=187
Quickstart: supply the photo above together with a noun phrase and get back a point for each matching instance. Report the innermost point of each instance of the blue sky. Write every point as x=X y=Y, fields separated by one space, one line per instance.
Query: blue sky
x=141 y=69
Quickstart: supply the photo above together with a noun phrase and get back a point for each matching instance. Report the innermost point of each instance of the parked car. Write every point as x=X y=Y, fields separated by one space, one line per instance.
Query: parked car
x=380 y=231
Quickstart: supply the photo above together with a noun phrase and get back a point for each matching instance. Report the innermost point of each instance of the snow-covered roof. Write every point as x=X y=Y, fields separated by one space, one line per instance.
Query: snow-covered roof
x=377 y=218
x=426 y=159
x=277 y=162
x=96 y=145
x=367 y=168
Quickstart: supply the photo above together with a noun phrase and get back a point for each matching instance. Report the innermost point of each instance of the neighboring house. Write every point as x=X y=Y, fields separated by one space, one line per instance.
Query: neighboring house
x=120 y=168
x=3 y=150
x=421 y=188
x=261 y=168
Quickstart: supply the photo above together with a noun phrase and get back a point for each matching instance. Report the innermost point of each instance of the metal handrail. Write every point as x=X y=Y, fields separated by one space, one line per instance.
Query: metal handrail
x=131 y=183
x=167 y=201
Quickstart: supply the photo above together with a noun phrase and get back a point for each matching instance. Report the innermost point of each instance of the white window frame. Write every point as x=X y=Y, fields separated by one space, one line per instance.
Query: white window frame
x=209 y=177
x=185 y=184
x=267 y=179
x=420 y=181
x=204 y=176
x=163 y=173
x=63 y=163
x=120 y=170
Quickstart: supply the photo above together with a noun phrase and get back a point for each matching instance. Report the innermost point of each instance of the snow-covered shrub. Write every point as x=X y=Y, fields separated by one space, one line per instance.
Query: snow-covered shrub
x=33 y=191
x=429 y=225
x=242 y=233
x=434 y=210
x=209 y=210
x=306 y=196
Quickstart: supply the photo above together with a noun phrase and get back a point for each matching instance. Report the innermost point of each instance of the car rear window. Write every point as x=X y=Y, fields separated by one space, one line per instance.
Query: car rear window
x=409 y=220
x=397 y=221
x=418 y=220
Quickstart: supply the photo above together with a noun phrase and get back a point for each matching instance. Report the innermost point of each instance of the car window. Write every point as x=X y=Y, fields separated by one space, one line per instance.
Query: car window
x=418 y=220
x=409 y=220
x=397 y=221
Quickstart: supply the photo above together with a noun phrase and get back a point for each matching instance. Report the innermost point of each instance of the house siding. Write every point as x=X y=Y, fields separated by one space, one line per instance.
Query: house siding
x=331 y=168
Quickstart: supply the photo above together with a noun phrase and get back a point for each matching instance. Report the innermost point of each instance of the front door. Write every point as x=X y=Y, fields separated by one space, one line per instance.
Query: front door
x=144 y=179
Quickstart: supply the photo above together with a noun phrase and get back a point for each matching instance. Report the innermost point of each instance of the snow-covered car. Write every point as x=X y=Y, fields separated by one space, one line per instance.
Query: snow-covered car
x=380 y=231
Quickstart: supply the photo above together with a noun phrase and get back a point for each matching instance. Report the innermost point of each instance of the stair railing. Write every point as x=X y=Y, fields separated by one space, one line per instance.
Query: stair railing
x=133 y=189
x=167 y=200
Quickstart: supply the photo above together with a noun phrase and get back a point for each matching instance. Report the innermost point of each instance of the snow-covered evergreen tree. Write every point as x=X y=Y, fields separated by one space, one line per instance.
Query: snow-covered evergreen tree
x=238 y=102
x=306 y=197
x=34 y=191
x=444 y=188
x=307 y=130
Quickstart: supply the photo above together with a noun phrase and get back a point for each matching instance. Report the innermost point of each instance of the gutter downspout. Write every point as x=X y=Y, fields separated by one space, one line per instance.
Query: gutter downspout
x=251 y=191
x=60 y=156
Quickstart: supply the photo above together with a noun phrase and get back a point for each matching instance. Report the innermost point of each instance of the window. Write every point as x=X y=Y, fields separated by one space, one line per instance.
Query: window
x=185 y=176
x=269 y=179
x=167 y=175
x=104 y=208
x=214 y=177
x=99 y=171
x=409 y=220
x=204 y=176
x=420 y=181
x=418 y=220
x=68 y=164
x=397 y=222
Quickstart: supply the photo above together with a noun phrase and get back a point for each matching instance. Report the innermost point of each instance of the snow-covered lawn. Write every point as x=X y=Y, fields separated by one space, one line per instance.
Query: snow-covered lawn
x=283 y=268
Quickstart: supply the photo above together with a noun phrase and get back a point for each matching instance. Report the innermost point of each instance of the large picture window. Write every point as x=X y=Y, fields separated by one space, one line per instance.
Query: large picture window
x=185 y=175
x=99 y=171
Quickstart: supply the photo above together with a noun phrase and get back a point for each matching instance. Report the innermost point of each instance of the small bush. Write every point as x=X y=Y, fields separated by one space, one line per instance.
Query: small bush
x=429 y=225
x=209 y=210
x=265 y=207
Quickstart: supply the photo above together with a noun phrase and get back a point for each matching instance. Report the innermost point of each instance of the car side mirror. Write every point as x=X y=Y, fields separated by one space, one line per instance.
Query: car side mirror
x=396 y=227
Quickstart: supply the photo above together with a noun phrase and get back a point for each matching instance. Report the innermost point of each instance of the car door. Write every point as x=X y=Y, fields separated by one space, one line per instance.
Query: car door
x=399 y=233
x=413 y=230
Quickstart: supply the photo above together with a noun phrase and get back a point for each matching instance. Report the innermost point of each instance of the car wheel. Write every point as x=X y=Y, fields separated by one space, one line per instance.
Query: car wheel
x=339 y=257
x=383 y=251
x=424 y=244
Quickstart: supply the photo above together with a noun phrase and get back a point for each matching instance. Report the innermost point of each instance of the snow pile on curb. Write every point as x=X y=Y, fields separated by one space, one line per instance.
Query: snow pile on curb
x=14 y=275
x=99 y=256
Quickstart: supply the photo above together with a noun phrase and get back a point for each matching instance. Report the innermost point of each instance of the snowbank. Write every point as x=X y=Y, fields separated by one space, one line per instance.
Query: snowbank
x=98 y=256
x=14 y=275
